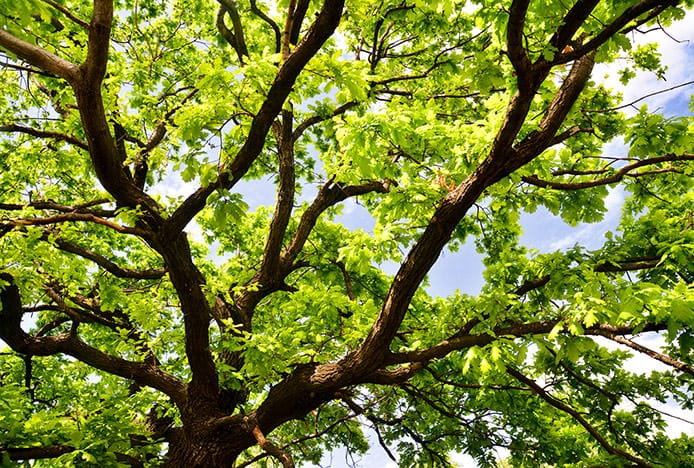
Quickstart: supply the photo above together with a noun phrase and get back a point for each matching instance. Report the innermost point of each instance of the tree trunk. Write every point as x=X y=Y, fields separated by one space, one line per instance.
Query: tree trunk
x=212 y=452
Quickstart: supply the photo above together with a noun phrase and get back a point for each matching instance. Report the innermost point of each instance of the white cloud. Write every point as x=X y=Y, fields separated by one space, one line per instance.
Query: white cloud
x=676 y=45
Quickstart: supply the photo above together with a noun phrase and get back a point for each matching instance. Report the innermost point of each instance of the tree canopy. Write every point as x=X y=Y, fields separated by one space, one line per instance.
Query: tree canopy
x=152 y=317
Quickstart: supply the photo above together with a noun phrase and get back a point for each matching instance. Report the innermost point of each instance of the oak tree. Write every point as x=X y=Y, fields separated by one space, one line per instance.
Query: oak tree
x=151 y=315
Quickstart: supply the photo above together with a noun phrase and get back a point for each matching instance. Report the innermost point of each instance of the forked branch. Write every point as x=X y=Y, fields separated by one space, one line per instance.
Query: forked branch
x=235 y=38
x=615 y=27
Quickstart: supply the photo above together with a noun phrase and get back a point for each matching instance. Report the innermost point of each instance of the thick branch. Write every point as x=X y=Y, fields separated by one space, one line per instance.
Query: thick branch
x=514 y=40
x=102 y=148
x=270 y=267
x=558 y=109
x=236 y=38
x=39 y=57
x=299 y=14
x=189 y=282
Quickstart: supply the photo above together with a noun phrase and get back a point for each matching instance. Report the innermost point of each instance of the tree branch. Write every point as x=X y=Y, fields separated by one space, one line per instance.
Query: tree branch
x=102 y=148
x=467 y=341
x=83 y=208
x=514 y=40
x=573 y=20
x=629 y=104
x=288 y=27
x=624 y=171
x=38 y=133
x=329 y=194
x=282 y=455
x=299 y=14
x=276 y=29
x=303 y=126
x=68 y=14
x=457 y=341
x=36 y=453
x=236 y=38
x=69 y=217
x=375 y=421
x=395 y=376
x=21 y=342
x=196 y=310
x=39 y=57
x=108 y=265
x=577 y=416
x=270 y=267
x=558 y=109
x=298 y=440
x=631 y=13
x=502 y=160
x=322 y=28
x=679 y=365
